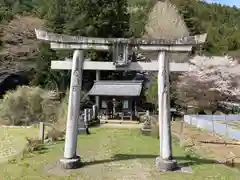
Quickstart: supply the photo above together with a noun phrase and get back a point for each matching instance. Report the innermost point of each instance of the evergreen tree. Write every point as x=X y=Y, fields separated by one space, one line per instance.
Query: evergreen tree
x=55 y=16
x=102 y=18
x=44 y=76
x=91 y=18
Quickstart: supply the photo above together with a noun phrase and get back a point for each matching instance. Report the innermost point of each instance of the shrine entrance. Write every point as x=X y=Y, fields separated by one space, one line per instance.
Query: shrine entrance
x=121 y=49
x=117 y=99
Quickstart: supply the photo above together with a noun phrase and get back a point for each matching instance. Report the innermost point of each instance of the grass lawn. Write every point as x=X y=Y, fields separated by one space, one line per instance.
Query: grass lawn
x=114 y=154
x=12 y=141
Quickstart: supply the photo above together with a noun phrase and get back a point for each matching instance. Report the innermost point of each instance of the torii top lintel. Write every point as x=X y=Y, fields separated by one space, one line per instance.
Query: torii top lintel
x=67 y=39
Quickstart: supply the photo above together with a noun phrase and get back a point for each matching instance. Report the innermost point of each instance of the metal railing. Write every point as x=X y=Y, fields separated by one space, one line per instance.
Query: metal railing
x=225 y=125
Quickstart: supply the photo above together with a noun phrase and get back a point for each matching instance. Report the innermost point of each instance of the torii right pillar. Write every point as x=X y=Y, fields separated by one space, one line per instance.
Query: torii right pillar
x=165 y=161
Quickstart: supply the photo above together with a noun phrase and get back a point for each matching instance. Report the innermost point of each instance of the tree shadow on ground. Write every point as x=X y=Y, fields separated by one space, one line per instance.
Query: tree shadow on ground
x=183 y=161
x=220 y=143
x=44 y=150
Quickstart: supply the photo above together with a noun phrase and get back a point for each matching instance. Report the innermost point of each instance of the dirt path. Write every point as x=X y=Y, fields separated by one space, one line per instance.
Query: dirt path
x=217 y=148
x=114 y=125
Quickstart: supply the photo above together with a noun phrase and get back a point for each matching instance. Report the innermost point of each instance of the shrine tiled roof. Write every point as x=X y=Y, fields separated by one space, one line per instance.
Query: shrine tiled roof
x=116 y=88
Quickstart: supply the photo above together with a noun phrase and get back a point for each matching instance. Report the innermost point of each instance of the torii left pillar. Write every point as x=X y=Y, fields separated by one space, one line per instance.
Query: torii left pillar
x=97 y=102
x=71 y=160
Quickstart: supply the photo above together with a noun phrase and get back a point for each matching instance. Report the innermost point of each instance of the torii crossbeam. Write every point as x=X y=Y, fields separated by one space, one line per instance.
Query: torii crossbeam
x=120 y=47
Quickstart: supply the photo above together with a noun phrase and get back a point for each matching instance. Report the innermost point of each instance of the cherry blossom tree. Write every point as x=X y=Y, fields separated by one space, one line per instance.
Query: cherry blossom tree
x=211 y=80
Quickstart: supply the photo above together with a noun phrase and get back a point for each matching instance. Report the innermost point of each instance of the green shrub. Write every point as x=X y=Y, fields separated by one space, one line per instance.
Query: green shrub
x=155 y=127
x=14 y=107
x=219 y=113
x=55 y=134
x=33 y=145
x=12 y=161
x=50 y=110
x=27 y=105
x=62 y=113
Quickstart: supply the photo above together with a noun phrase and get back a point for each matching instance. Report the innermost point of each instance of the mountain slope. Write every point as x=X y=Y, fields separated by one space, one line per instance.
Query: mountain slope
x=19 y=46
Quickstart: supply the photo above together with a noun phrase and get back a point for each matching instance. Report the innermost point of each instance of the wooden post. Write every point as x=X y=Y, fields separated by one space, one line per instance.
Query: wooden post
x=97 y=101
x=94 y=110
x=213 y=128
x=114 y=107
x=81 y=126
x=135 y=109
x=89 y=115
x=86 y=120
x=85 y=116
x=41 y=131
x=181 y=133
x=226 y=123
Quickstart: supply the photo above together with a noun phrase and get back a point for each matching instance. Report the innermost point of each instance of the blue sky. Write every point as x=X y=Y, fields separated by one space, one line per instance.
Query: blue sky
x=227 y=2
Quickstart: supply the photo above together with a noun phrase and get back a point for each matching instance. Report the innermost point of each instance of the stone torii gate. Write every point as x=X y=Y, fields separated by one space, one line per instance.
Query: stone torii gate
x=120 y=48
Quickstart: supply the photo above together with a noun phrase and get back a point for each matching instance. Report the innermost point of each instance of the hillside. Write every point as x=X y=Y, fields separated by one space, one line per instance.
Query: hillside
x=221 y=22
x=19 y=46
